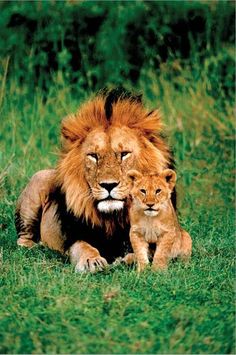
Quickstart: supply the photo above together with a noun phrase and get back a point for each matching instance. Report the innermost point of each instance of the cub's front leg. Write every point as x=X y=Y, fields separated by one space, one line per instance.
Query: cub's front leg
x=186 y=246
x=140 y=248
x=163 y=252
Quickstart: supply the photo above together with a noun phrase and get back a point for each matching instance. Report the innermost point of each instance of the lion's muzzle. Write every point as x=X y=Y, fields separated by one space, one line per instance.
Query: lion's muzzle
x=110 y=205
x=111 y=197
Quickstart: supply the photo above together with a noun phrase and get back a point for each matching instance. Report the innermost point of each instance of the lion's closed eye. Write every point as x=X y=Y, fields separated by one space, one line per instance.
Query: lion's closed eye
x=93 y=157
x=125 y=155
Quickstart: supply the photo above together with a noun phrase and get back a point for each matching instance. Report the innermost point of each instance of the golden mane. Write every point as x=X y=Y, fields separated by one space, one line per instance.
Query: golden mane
x=128 y=113
x=92 y=115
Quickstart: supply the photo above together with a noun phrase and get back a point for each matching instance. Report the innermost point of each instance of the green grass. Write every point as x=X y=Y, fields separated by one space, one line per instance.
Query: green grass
x=47 y=308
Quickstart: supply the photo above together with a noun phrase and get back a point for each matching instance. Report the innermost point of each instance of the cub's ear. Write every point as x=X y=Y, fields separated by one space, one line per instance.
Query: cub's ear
x=134 y=175
x=170 y=177
x=70 y=129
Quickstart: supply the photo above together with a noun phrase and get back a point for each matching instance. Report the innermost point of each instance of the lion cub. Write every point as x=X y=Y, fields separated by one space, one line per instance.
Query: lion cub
x=154 y=221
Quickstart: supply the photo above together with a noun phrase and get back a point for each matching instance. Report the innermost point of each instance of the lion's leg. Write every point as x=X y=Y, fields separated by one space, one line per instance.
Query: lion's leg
x=50 y=228
x=27 y=220
x=82 y=255
x=85 y=257
x=30 y=206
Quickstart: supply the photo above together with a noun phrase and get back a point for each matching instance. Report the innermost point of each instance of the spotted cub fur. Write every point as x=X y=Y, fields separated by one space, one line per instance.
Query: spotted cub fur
x=154 y=221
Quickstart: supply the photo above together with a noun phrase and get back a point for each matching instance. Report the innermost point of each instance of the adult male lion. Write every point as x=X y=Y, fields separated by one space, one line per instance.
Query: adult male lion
x=80 y=208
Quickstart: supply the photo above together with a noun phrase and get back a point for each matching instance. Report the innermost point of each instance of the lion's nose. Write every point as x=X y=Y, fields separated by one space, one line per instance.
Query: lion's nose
x=109 y=186
x=150 y=205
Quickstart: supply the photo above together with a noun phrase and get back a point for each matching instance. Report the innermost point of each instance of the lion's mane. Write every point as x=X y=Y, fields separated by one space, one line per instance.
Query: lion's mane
x=105 y=113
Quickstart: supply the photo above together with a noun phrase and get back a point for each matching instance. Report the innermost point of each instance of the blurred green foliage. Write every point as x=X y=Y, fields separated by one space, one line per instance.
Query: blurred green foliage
x=90 y=44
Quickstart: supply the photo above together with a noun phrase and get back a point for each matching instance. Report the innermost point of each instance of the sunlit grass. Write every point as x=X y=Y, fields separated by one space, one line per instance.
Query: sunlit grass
x=47 y=308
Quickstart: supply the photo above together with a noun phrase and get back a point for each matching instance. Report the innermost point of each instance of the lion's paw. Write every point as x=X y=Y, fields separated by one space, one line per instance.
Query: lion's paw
x=91 y=264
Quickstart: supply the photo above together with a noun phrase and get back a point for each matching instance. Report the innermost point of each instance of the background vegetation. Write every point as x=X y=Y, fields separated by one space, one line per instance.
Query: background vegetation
x=180 y=55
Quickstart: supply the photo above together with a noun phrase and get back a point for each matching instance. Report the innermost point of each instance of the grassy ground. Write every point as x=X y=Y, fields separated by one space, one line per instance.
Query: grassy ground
x=47 y=308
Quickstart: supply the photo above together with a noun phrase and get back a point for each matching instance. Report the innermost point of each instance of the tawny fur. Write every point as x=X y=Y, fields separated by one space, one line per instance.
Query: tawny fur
x=154 y=221
x=94 y=150
x=131 y=129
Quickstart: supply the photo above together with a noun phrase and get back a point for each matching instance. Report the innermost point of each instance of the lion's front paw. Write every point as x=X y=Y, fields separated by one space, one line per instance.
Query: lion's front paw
x=91 y=264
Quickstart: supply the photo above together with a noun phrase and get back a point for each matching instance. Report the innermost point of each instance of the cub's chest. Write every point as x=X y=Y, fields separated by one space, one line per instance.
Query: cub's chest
x=150 y=233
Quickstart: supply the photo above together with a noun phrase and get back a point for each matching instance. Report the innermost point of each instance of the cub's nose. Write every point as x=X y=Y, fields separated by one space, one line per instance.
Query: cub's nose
x=109 y=186
x=150 y=205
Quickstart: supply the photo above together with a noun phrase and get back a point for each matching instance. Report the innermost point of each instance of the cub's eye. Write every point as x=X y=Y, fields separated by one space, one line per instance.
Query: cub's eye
x=143 y=191
x=125 y=155
x=93 y=157
x=158 y=191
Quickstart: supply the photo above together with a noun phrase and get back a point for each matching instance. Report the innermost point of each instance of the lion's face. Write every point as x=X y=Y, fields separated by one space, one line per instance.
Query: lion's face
x=108 y=155
x=101 y=144
x=151 y=192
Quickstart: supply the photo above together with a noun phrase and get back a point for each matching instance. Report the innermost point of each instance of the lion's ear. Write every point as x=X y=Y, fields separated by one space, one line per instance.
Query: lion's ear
x=170 y=176
x=134 y=175
x=70 y=129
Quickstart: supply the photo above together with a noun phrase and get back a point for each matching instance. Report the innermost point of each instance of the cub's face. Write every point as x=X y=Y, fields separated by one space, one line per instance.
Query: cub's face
x=108 y=155
x=152 y=192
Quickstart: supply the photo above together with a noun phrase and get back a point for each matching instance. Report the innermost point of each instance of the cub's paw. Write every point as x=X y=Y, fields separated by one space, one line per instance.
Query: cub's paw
x=91 y=264
x=142 y=267
x=159 y=267
x=129 y=259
